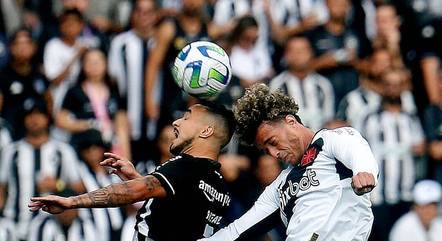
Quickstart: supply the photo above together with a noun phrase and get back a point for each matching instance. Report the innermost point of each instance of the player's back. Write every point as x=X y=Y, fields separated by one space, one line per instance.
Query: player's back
x=197 y=198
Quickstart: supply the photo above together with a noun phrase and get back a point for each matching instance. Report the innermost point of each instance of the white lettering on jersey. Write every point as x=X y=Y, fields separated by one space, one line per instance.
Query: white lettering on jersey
x=213 y=195
x=213 y=218
x=293 y=188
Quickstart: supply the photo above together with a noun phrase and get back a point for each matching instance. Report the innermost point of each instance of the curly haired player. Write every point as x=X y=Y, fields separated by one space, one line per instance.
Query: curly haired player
x=324 y=193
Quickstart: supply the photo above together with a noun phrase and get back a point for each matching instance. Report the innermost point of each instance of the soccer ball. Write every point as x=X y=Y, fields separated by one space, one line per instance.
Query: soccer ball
x=202 y=69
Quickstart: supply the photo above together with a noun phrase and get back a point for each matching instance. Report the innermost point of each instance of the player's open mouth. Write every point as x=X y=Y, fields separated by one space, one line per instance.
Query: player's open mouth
x=175 y=131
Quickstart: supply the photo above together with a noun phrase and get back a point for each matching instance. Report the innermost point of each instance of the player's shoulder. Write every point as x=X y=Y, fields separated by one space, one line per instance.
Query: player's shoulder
x=337 y=136
x=337 y=132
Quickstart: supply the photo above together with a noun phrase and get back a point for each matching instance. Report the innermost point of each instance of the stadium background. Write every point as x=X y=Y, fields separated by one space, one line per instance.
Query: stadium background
x=43 y=44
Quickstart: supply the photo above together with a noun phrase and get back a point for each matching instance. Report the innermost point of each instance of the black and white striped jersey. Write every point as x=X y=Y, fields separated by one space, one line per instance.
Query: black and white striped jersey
x=45 y=227
x=108 y=221
x=391 y=137
x=196 y=201
x=7 y=230
x=127 y=64
x=314 y=95
x=314 y=198
x=355 y=106
x=23 y=165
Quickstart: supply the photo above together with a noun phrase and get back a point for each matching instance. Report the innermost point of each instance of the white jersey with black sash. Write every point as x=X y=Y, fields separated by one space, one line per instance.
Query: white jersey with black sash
x=314 y=198
x=196 y=201
x=22 y=167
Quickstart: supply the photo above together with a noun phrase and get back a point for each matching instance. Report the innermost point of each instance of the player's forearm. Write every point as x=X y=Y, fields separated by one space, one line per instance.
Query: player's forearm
x=118 y=194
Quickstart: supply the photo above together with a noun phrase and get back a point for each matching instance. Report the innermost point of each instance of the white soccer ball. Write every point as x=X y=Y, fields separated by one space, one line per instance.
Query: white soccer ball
x=202 y=69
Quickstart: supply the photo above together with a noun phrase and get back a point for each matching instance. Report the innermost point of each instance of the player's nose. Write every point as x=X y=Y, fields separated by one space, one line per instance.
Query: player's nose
x=272 y=152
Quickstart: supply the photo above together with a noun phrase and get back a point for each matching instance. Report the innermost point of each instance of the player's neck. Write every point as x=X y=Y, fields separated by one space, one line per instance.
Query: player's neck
x=203 y=151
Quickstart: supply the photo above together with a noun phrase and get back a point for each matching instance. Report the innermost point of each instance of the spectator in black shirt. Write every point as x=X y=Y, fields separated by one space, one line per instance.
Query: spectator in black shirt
x=21 y=80
x=336 y=48
x=433 y=130
x=187 y=193
x=94 y=103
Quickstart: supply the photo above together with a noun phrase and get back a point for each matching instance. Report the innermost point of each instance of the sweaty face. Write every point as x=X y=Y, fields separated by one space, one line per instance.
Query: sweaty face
x=280 y=140
x=187 y=129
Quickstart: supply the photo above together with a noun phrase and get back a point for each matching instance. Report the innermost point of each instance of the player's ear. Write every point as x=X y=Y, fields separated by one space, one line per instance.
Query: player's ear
x=290 y=119
x=207 y=132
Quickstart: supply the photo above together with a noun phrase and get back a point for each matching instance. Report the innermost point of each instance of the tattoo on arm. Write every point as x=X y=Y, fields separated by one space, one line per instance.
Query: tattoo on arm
x=119 y=194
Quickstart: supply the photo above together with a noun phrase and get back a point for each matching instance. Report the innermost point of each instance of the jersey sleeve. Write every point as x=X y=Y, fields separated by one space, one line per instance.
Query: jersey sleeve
x=174 y=174
x=264 y=208
x=348 y=146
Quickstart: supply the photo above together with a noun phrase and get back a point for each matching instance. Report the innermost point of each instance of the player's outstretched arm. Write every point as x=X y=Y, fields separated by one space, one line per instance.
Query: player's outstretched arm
x=114 y=195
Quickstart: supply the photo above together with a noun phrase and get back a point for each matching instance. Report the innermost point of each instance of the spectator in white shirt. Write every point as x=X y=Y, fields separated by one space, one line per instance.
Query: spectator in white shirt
x=422 y=222
x=250 y=62
x=61 y=55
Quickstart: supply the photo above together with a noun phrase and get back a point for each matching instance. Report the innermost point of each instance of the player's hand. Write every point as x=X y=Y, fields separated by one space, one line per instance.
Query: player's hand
x=362 y=183
x=51 y=204
x=120 y=166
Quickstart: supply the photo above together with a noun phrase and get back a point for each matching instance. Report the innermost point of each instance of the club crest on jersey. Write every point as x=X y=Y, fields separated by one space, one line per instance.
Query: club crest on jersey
x=312 y=152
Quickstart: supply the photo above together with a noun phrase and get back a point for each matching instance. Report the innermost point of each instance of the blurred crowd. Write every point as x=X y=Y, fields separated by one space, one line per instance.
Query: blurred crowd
x=81 y=77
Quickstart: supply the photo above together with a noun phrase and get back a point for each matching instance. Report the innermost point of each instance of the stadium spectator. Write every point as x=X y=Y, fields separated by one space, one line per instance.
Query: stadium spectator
x=250 y=62
x=388 y=35
x=71 y=225
x=94 y=102
x=21 y=80
x=396 y=138
x=288 y=18
x=312 y=92
x=367 y=97
x=337 y=49
x=226 y=12
x=423 y=222
x=433 y=131
x=127 y=64
x=62 y=55
x=37 y=164
x=172 y=35
x=91 y=147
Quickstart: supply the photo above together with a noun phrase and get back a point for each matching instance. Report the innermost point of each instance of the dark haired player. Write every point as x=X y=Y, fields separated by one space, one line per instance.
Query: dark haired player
x=324 y=193
x=185 y=198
